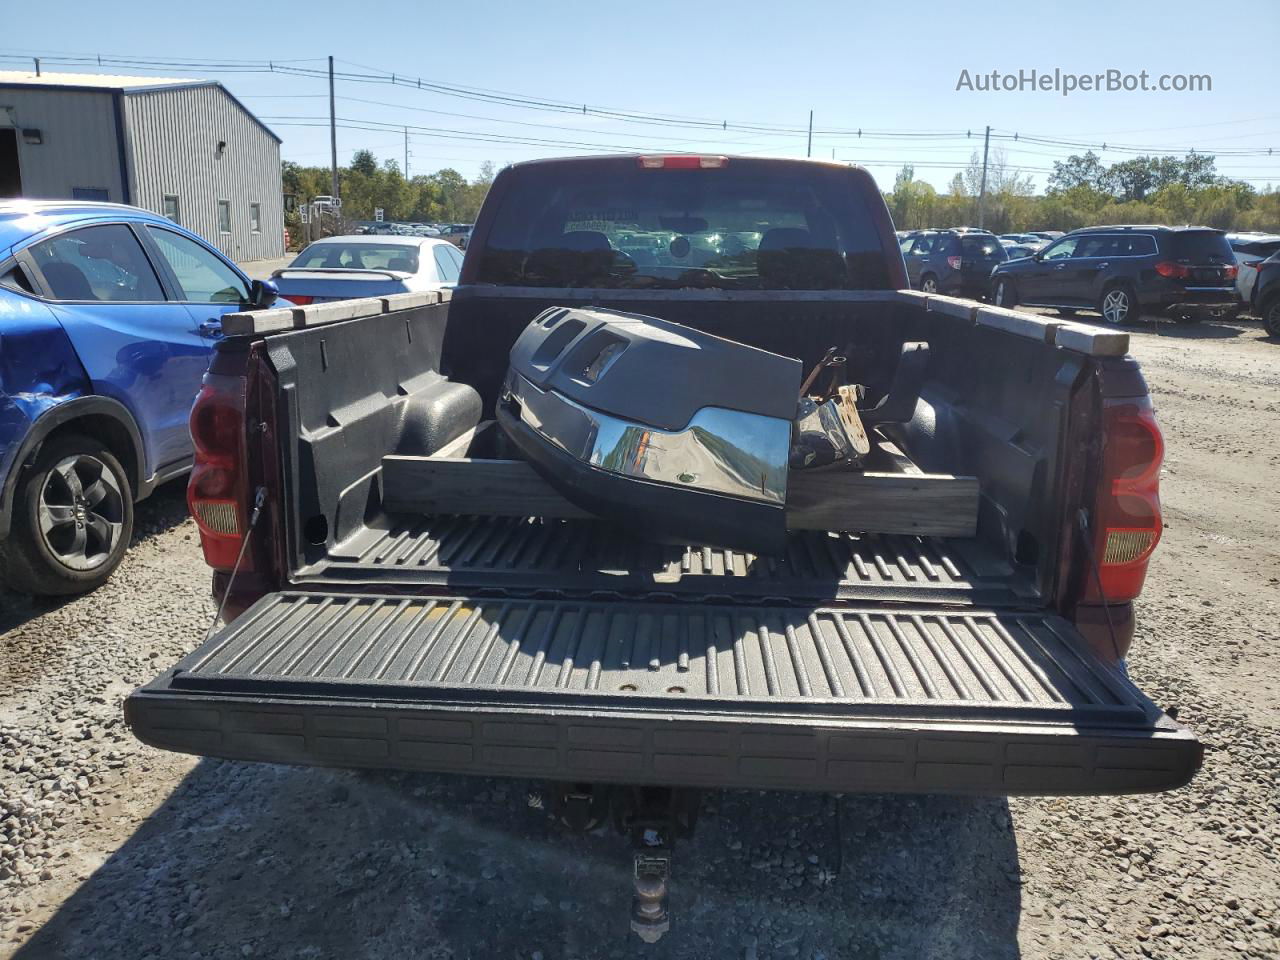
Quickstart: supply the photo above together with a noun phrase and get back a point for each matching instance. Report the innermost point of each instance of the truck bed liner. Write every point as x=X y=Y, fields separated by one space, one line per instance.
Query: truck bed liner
x=802 y=698
x=582 y=557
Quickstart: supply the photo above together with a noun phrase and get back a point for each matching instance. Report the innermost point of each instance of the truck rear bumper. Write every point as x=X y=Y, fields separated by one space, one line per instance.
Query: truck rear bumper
x=834 y=699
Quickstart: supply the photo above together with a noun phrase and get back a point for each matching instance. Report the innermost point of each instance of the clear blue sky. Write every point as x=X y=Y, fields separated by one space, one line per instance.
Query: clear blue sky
x=889 y=67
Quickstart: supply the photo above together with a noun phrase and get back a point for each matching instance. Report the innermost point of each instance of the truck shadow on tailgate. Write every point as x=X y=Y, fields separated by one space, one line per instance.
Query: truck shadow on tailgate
x=291 y=862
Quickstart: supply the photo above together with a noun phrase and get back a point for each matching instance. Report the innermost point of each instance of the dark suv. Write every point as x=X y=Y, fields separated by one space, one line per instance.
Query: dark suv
x=956 y=262
x=1266 y=294
x=1185 y=272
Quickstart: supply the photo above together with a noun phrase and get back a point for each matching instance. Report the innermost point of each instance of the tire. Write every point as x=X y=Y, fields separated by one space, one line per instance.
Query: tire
x=72 y=519
x=1271 y=316
x=1004 y=293
x=928 y=283
x=1118 y=305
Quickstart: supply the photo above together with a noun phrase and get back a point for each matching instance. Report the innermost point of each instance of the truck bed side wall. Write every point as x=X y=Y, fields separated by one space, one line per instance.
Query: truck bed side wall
x=348 y=394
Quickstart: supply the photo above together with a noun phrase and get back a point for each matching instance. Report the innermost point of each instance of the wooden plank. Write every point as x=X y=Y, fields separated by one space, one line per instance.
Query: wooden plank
x=1029 y=325
x=1095 y=341
x=259 y=322
x=458 y=446
x=921 y=503
x=498 y=488
x=927 y=504
x=951 y=306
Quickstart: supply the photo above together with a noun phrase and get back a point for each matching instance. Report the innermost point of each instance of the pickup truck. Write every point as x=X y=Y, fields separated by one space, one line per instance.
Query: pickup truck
x=498 y=637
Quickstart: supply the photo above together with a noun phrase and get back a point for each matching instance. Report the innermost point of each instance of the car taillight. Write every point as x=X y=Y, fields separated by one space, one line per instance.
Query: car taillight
x=1126 y=522
x=682 y=162
x=217 y=492
x=1176 y=271
x=953 y=263
x=1230 y=271
x=300 y=301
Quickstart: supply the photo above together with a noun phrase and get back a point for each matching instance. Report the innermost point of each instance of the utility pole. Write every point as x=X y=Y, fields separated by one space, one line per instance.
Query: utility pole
x=982 y=192
x=333 y=136
x=37 y=60
x=406 y=153
x=808 y=151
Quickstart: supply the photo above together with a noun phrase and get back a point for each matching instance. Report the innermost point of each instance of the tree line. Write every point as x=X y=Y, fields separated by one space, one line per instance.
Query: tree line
x=445 y=196
x=1080 y=192
x=1083 y=192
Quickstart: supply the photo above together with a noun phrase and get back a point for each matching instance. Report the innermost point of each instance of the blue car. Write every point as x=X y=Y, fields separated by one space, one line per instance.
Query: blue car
x=108 y=317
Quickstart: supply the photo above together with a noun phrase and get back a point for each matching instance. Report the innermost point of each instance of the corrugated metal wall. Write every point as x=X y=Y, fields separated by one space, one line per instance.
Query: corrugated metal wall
x=79 y=149
x=173 y=137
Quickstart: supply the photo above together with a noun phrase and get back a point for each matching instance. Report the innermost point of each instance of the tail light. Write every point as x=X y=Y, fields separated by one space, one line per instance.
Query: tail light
x=1174 y=271
x=217 y=492
x=1126 y=522
x=300 y=301
x=953 y=263
x=1230 y=271
x=682 y=162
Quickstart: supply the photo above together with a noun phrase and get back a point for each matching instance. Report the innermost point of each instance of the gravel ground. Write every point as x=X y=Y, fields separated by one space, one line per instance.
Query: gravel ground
x=112 y=849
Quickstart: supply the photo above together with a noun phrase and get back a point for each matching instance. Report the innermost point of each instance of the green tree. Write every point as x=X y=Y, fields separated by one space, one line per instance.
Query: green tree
x=365 y=163
x=1078 y=171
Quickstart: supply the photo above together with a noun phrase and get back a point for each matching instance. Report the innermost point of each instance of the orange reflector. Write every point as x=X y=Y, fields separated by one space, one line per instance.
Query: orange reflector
x=1126 y=546
x=217 y=516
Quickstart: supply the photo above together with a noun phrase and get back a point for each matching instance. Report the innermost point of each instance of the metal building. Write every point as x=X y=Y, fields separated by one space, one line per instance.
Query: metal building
x=186 y=149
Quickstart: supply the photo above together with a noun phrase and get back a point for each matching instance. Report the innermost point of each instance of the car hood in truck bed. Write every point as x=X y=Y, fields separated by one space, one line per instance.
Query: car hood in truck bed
x=820 y=698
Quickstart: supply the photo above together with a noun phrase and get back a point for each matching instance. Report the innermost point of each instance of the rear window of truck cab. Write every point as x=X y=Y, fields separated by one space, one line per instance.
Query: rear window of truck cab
x=748 y=225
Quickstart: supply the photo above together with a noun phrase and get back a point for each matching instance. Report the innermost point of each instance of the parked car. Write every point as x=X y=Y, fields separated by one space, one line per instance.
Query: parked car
x=1022 y=239
x=339 y=268
x=108 y=315
x=1250 y=250
x=1016 y=251
x=457 y=233
x=957 y=262
x=1046 y=235
x=1185 y=272
x=1265 y=295
x=402 y=615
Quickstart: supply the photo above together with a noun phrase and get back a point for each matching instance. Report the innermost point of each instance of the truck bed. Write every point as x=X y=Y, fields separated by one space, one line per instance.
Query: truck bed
x=814 y=698
x=523 y=556
x=554 y=648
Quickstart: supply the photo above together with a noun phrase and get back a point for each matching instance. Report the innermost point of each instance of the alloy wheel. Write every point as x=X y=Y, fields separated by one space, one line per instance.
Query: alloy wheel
x=929 y=285
x=1115 y=306
x=80 y=512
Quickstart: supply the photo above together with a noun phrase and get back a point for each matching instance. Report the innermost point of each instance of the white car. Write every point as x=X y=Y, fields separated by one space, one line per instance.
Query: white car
x=373 y=265
x=1250 y=250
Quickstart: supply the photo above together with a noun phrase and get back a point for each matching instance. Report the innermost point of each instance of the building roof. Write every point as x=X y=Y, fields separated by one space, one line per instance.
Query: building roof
x=104 y=82
x=89 y=81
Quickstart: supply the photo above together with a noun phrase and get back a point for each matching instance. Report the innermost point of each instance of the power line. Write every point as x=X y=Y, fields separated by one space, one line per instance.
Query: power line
x=506 y=98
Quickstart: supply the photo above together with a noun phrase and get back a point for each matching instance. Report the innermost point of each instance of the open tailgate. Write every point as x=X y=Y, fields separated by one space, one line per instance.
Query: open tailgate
x=811 y=698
